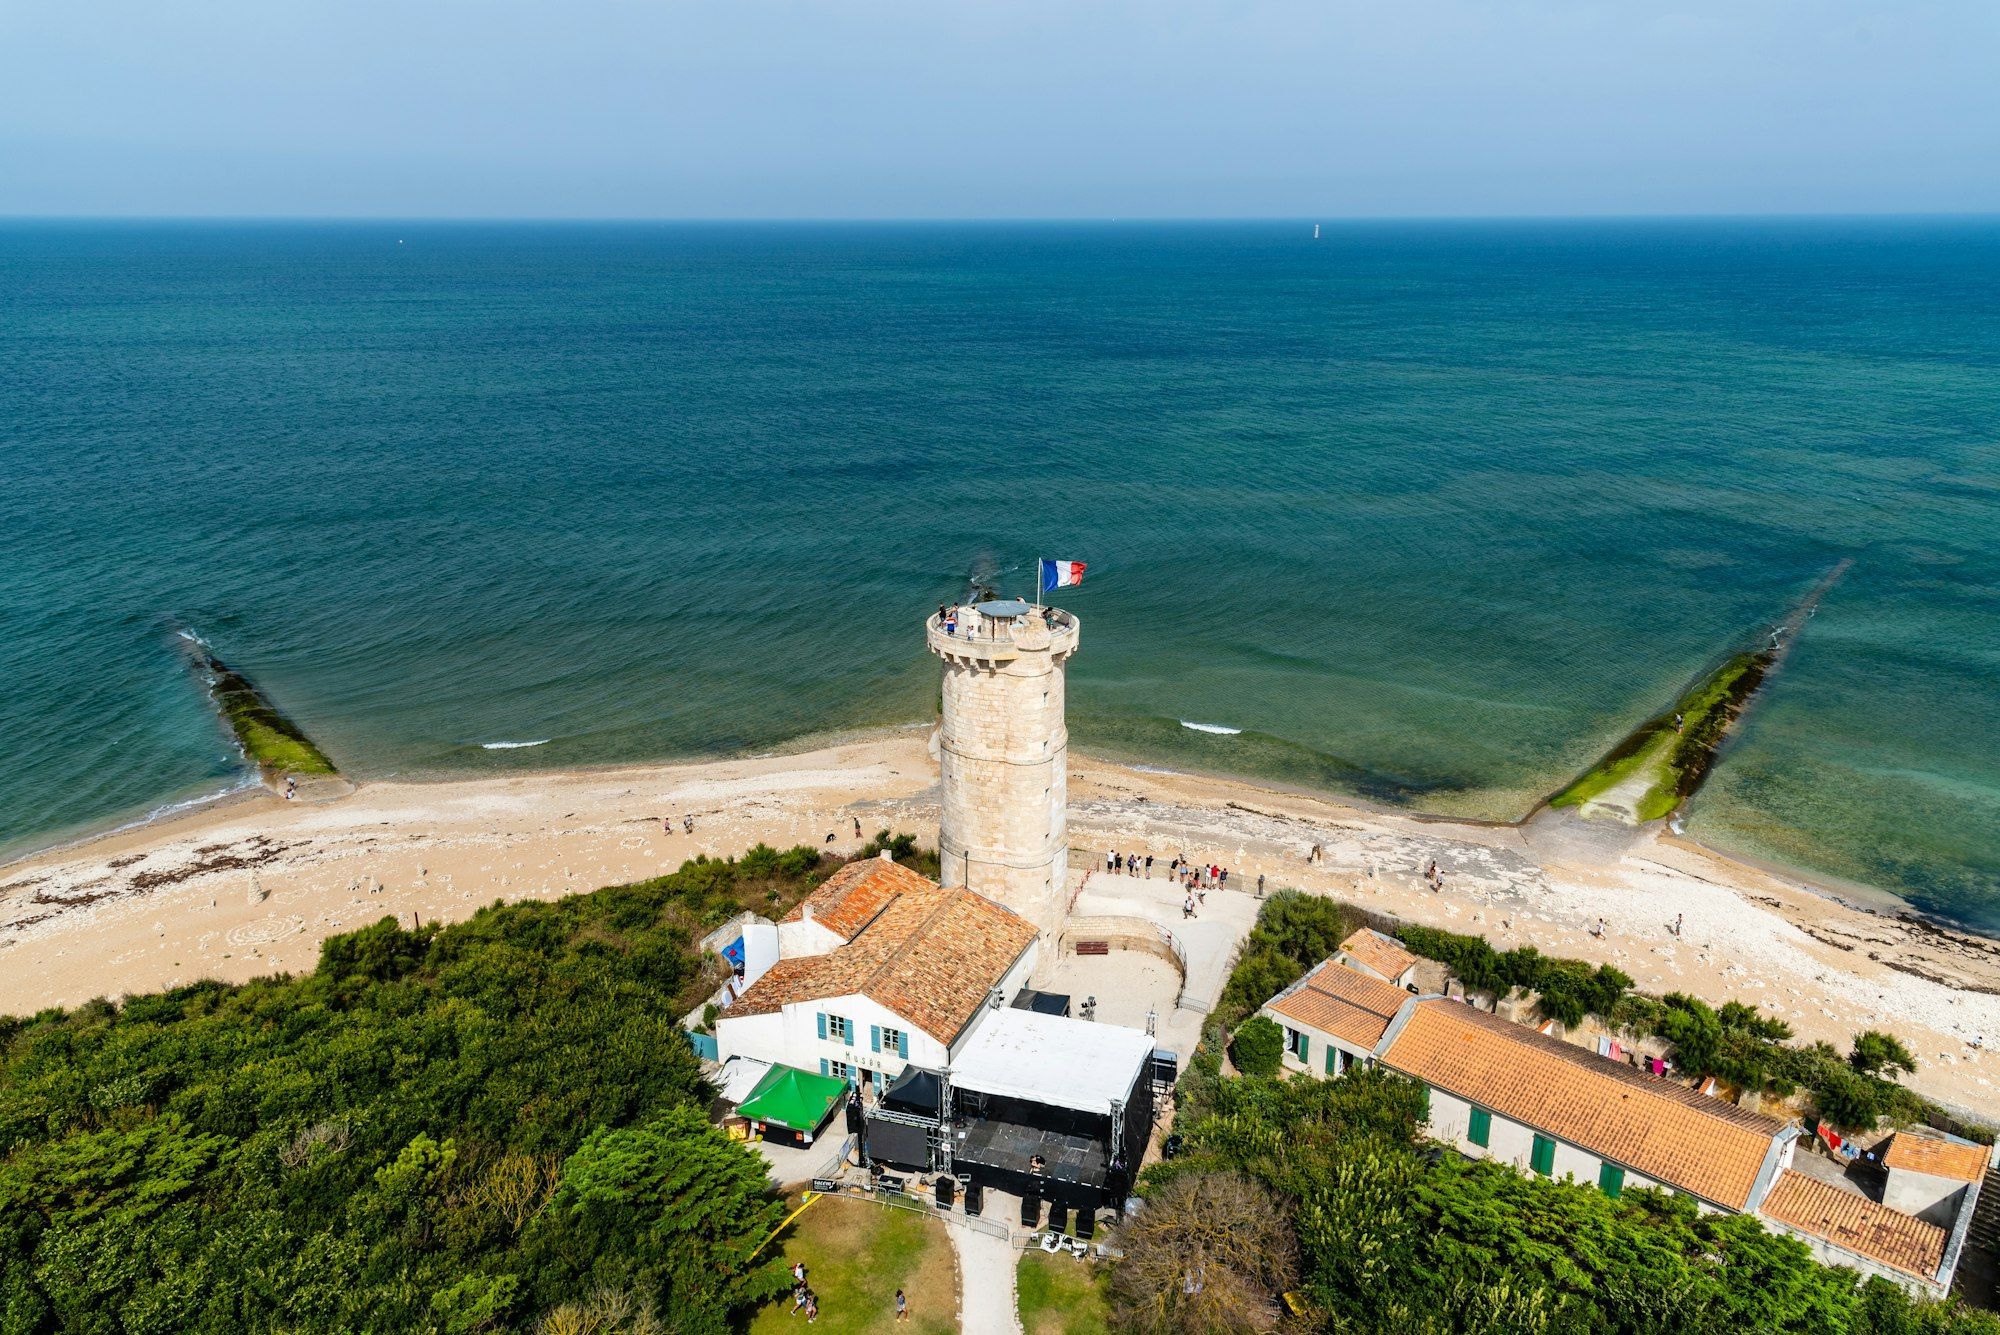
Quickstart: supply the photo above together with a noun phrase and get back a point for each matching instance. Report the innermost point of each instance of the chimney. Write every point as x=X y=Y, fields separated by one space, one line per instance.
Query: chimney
x=806 y=911
x=887 y=856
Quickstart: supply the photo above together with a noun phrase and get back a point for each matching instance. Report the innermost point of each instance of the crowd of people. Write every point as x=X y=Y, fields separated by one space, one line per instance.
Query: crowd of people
x=1197 y=881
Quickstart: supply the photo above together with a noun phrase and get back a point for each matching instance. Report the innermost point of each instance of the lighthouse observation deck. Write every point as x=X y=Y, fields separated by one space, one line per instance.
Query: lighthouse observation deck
x=1000 y=630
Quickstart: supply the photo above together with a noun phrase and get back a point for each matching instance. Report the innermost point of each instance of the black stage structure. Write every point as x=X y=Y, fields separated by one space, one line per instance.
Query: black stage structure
x=1076 y=1145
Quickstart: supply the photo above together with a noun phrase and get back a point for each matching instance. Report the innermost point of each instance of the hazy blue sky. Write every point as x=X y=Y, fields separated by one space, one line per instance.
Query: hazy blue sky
x=1031 y=108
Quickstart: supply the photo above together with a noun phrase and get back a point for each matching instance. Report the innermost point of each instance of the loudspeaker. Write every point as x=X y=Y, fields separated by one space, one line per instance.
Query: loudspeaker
x=975 y=1198
x=1058 y=1218
x=947 y=1189
x=1031 y=1212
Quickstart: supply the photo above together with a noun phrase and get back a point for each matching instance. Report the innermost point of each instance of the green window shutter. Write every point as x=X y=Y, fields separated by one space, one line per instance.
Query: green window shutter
x=1543 y=1159
x=1305 y=1048
x=1331 y=1052
x=902 y=1043
x=1610 y=1179
x=1480 y=1131
x=874 y=1038
x=821 y=1017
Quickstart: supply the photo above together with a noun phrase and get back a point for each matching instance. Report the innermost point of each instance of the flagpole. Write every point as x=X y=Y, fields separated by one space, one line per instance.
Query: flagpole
x=1038 y=581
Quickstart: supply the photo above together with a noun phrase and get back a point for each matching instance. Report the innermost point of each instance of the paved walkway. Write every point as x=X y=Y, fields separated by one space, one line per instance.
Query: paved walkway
x=1210 y=939
x=985 y=1282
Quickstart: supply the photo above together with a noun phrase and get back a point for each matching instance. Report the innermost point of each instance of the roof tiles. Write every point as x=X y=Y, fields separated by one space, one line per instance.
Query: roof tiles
x=1701 y=1145
x=1337 y=1000
x=1937 y=1156
x=929 y=954
x=848 y=900
x=1384 y=954
x=1856 y=1224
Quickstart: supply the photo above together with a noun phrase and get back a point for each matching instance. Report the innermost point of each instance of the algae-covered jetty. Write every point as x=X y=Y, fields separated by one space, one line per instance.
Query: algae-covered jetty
x=278 y=747
x=1661 y=763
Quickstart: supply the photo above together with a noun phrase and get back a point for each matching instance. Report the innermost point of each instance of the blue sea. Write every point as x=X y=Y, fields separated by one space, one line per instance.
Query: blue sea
x=1431 y=512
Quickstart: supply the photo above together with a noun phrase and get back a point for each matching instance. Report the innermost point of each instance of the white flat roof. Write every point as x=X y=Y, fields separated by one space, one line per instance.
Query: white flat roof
x=739 y=1076
x=1052 y=1059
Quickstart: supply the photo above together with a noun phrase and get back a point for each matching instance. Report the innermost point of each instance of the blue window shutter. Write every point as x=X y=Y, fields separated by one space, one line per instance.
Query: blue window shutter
x=822 y=1067
x=874 y=1038
x=902 y=1043
x=847 y=1036
x=821 y=1017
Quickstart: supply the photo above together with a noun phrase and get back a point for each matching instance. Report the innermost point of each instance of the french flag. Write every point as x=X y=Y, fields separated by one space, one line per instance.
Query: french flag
x=1061 y=574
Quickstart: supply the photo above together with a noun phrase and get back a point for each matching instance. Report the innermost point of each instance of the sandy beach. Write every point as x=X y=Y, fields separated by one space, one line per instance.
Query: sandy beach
x=251 y=886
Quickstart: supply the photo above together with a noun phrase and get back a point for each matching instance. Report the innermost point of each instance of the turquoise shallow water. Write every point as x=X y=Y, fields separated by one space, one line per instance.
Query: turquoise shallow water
x=1431 y=512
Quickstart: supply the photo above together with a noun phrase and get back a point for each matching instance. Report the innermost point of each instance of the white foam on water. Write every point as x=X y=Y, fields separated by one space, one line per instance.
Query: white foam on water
x=1211 y=727
x=510 y=746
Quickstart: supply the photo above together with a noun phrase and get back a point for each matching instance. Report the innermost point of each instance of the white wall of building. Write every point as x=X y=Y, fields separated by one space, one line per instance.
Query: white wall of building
x=1318 y=1043
x=1513 y=1143
x=760 y=949
x=791 y=1036
x=1924 y=1195
x=803 y=936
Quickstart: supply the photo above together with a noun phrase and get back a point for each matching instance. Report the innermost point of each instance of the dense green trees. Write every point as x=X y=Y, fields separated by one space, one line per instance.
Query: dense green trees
x=454 y=1129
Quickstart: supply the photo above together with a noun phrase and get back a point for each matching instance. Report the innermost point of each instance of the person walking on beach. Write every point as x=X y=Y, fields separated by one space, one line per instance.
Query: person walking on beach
x=1149 y=866
x=902 y=1306
x=857 y=827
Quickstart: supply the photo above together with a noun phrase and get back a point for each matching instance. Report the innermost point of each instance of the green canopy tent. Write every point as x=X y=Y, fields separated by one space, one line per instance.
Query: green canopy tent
x=793 y=1099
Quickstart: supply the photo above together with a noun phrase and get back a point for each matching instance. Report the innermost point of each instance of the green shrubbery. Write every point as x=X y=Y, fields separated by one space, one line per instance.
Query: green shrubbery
x=451 y=1129
x=1259 y=1047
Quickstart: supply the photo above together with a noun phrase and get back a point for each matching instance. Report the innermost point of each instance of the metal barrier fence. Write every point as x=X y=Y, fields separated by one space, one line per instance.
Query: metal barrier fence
x=902 y=1200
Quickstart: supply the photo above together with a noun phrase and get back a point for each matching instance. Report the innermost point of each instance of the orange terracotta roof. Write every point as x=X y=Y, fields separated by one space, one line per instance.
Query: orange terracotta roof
x=1856 y=1224
x=850 y=898
x=1701 y=1145
x=1384 y=954
x=1937 y=1156
x=1335 y=999
x=930 y=955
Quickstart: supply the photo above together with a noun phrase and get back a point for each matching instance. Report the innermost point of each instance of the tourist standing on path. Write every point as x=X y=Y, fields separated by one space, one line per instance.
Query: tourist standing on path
x=1677 y=924
x=1260 y=885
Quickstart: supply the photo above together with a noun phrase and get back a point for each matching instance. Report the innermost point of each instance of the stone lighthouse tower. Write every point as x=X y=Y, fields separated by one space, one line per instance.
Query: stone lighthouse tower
x=1004 y=753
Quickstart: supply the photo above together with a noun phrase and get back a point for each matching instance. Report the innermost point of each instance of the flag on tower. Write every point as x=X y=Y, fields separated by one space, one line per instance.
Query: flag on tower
x=1061 y=574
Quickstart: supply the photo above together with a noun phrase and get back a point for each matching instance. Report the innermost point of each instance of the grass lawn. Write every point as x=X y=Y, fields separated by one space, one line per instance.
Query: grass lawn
x=1060 y=1295
x=857 y=1254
